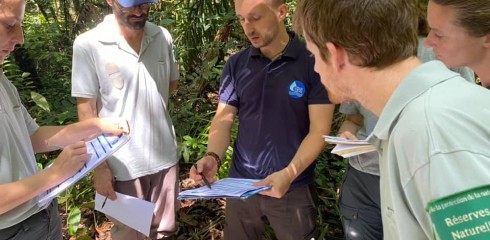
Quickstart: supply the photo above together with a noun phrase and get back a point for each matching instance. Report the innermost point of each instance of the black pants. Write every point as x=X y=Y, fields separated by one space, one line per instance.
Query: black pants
x=293 y=217
x=44 y=225
x=360 y=205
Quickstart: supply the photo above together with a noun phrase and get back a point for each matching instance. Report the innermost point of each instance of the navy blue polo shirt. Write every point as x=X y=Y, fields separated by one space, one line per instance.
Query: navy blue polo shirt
x=272 y=99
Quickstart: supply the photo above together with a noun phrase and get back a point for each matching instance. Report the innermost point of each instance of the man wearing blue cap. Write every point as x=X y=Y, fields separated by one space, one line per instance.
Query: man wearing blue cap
x=134 y=3
x=125 y=67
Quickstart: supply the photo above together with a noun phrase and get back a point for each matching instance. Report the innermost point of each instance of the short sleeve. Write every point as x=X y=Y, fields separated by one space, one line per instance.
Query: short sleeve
x=227 y=91
x=174 y=69
x=32 y=126
x=84 y=81
x=29 y=122
x=318 y=93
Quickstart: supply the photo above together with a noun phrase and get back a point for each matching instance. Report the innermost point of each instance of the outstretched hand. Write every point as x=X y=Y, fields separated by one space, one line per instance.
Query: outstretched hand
x=86 y=130
x=115 y=126
x=110 y=125
x=279 y=181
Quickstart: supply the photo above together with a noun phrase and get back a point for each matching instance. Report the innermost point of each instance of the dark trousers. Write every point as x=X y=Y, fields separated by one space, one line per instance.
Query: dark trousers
x=292 y=217
x=360 y=205
x=44 y=225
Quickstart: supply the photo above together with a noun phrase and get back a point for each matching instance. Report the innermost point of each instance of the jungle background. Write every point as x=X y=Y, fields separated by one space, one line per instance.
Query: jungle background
x=205 y=33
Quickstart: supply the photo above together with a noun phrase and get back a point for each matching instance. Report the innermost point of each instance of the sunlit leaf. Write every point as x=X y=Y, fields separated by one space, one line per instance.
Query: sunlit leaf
x=40 y=101
x=74 y=218
x=26 y=74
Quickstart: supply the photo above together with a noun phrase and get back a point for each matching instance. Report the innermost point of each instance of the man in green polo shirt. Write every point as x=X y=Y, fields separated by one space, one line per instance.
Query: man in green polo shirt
x=432 y=133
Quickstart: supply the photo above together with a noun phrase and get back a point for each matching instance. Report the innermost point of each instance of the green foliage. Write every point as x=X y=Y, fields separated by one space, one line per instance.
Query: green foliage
x=194 y=148
x=76 y=198
x=19 y=78
x=329 y=171
x=74 y=218
x=50 y=50
x=194 y=24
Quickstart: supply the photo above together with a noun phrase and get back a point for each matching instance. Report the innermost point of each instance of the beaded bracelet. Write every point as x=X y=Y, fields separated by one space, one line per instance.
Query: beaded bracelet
x=216 y=158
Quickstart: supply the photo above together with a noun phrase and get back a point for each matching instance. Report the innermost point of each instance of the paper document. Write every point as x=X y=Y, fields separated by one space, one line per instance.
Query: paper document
x=98 y=149
x=131 y=211
x=341 y=140
x=225 y=188
x=348 y=148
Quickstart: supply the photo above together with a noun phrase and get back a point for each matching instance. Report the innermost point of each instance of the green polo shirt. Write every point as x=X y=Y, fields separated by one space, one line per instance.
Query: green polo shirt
x=434 y=141
x=17 y=159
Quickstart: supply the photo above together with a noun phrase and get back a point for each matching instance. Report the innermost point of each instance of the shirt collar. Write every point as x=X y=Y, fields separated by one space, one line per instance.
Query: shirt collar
x=416 y=83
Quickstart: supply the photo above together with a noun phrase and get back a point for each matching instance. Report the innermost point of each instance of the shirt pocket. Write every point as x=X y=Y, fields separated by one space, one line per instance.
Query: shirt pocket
x=115 y=76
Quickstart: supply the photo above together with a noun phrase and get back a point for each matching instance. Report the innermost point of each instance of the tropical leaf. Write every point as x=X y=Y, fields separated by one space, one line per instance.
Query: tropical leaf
x=73 y=220
x=40 y=101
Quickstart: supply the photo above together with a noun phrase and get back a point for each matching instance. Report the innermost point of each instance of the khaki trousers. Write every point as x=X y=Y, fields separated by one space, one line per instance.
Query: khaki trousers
x=160 y=188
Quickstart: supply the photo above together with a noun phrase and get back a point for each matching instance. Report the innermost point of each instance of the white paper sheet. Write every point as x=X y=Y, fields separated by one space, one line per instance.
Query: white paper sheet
x=341 y=140
x=346 y=150
x=133 y=212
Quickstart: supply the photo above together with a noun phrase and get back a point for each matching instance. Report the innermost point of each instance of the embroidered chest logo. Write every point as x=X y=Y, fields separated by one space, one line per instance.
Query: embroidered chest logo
x=297 y=89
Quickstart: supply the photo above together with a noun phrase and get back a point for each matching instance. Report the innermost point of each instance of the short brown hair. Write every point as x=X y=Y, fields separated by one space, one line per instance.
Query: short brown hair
x=375 y=33
x=276 y=3
x=472 y=15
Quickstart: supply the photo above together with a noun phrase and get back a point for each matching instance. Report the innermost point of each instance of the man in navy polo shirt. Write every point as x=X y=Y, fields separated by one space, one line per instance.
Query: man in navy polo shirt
x=283 y=112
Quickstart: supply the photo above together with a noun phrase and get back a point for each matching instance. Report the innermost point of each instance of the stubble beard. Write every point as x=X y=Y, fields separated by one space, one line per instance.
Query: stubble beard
x=265 y=41
x=138 y=25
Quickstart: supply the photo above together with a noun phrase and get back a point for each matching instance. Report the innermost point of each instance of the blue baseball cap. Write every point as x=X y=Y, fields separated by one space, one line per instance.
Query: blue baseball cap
x=132 y=3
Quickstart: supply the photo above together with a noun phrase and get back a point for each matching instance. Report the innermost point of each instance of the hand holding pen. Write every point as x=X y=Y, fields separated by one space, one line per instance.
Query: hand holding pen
x=104 y=182
x=70 y=160
x=203 y=177
x=61 y=148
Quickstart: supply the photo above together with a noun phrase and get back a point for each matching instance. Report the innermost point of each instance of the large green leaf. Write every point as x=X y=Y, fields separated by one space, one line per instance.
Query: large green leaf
x=40 y=101
x=74 y=219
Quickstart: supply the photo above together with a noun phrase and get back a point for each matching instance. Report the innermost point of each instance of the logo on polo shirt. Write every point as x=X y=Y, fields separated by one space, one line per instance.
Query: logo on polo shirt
x=297 y=89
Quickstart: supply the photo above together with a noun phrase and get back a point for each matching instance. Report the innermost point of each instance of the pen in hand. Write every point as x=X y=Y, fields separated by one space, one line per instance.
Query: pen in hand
x=203 y=177
x=61 y=148
x=103 y=204
x=105 y=200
